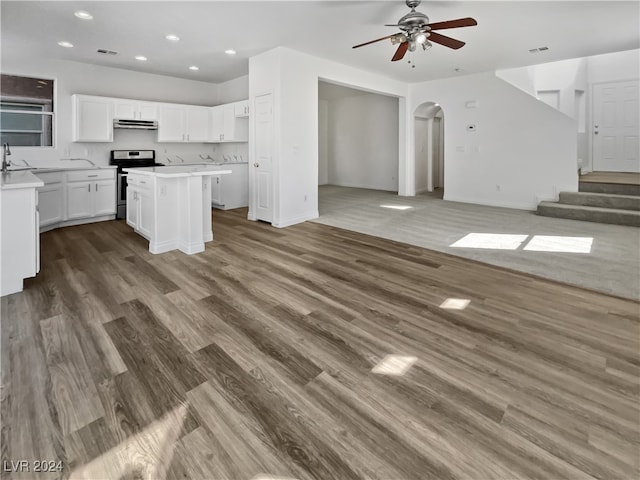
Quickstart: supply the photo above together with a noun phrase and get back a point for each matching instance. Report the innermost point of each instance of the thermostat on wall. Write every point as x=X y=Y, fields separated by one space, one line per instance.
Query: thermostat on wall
x=471 y=128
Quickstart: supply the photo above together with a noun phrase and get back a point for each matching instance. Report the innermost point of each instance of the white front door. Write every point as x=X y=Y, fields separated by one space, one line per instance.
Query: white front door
x=615 y=127
x=262 y=194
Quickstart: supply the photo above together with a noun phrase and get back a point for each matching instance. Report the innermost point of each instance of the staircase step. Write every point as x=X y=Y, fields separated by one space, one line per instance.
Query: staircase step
x=590 y=214
x=612 y=188
x=604 y=200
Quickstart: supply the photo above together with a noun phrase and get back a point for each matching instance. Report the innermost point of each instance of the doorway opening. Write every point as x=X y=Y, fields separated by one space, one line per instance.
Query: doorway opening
x=429 y=148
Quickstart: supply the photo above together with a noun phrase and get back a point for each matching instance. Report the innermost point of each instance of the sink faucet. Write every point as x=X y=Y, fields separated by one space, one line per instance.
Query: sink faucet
x=5 y=152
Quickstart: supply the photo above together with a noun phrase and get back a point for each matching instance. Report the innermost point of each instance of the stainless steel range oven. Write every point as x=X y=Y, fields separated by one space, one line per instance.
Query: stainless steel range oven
x=129 y=159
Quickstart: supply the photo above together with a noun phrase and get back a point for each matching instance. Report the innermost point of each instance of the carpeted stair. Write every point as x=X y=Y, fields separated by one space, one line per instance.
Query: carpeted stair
x=597 y=202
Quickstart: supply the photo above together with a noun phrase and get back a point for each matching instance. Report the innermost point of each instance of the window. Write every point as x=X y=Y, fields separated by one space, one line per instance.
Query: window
x=26 y=111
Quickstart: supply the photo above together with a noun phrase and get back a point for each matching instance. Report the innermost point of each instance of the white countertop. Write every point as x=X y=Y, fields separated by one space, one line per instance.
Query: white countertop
x=179 y=171
x=20 y=179
x=65 y=168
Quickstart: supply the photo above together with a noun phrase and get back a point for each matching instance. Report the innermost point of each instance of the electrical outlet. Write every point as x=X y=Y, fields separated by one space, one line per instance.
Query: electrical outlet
x=163 y=191
x=305 y=198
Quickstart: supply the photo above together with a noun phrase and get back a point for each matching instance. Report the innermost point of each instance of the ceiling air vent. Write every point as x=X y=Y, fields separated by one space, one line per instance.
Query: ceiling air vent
x=539 y=49
x=107 y=52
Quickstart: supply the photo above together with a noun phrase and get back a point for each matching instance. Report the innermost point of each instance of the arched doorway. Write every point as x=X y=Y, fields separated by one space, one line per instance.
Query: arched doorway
x=429 y=148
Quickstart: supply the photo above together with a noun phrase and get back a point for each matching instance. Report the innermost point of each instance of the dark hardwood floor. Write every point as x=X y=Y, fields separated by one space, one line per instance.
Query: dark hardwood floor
x=310 y=353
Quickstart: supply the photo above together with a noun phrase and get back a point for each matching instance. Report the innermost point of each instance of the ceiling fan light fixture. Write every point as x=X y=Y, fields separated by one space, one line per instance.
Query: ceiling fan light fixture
x=427 y=45
x=420 y=37
x=412 y=46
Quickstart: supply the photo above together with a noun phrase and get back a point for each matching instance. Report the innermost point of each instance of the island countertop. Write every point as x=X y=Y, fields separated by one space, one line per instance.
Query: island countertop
x=174 y=171
x=20 y=179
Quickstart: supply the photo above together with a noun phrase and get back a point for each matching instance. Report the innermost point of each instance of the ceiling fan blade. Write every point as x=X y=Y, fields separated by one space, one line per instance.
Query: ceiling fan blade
x=402 y=49
x=460 y=22
x=373 y=41
x=446 y=41
x=390 y=25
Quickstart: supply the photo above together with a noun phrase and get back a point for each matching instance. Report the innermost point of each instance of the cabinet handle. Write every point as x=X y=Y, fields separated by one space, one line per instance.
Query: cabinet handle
x=256 y=164
x=187 y=137
x=142 y=181
x=217 y=179
x=96 y=187
x=89 y=187
x=91 y=176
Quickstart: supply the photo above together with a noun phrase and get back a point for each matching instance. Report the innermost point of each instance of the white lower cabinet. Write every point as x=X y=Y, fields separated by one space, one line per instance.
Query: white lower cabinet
x=51 y=199
x=91 y=193
x=231 y=191
x=140 y=206
x=70 y=197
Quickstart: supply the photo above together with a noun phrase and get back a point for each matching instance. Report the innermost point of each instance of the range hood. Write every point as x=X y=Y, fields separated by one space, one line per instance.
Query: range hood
x=137 y=124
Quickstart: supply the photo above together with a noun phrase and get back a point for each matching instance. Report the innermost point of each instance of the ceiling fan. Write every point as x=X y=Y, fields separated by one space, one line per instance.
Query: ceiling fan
x=416 y=30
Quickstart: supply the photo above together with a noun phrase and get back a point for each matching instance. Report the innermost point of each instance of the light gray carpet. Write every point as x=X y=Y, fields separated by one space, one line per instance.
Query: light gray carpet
x=612 y=264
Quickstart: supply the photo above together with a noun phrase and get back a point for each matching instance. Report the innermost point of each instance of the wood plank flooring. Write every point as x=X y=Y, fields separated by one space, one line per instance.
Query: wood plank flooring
x=310 y=353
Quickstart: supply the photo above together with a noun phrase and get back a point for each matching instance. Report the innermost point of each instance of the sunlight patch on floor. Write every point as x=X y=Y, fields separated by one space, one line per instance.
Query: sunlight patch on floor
x=395 y=365
x=146 y=454
x=495 y=241
x=455 y=303
x=397 y=207
x=555 y=243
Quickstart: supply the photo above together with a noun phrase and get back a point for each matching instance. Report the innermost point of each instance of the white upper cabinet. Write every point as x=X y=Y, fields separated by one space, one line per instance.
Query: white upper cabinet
x=92 y=119
x=242 y=108
x=197 y=124
x=171 y=123
x=183 y=123
x=124 y=109
x=226 y=126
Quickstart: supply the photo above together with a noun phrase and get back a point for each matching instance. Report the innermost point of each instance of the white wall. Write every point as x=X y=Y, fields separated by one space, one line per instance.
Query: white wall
x=520 y=152
x=234 y=90
x=293 y=78
x=363 y=142
x=74 y=77
x=614 y=67
x=422 y=154
x=323 y=142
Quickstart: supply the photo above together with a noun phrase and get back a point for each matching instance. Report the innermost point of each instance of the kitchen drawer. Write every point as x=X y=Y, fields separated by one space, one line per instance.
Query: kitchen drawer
x=90 y=175
x=50 y=177
x=140 y=180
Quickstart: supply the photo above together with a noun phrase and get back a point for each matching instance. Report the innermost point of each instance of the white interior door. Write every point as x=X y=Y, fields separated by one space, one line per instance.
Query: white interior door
x=615 y=127
x=263 y=144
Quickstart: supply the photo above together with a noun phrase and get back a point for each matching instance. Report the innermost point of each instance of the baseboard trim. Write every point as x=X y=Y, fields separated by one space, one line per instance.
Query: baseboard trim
x=287 y=222
x=489 y=203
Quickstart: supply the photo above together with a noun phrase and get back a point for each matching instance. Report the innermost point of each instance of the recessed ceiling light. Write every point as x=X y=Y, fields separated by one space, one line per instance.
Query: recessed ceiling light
x=83 y=15
x=231 y=51
x=142 y=58
x=172 y=38
x=65 y=44
x=193 y=67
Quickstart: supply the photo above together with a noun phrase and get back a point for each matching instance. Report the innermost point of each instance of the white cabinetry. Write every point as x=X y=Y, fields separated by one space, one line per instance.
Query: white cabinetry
x=51 y=199
x=226 y=126
x=134 y=110
x=183 y=123
x=231 y=191
x=140 y=207
x=91 y=193
x=242 y=108
x=92 y=119
x=20 y=254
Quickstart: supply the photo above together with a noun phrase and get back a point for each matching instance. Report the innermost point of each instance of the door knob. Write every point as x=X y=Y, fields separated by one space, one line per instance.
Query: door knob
x=256 y=164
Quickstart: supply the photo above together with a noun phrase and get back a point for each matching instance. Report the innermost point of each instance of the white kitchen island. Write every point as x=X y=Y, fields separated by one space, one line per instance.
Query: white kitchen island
x=171 y=206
